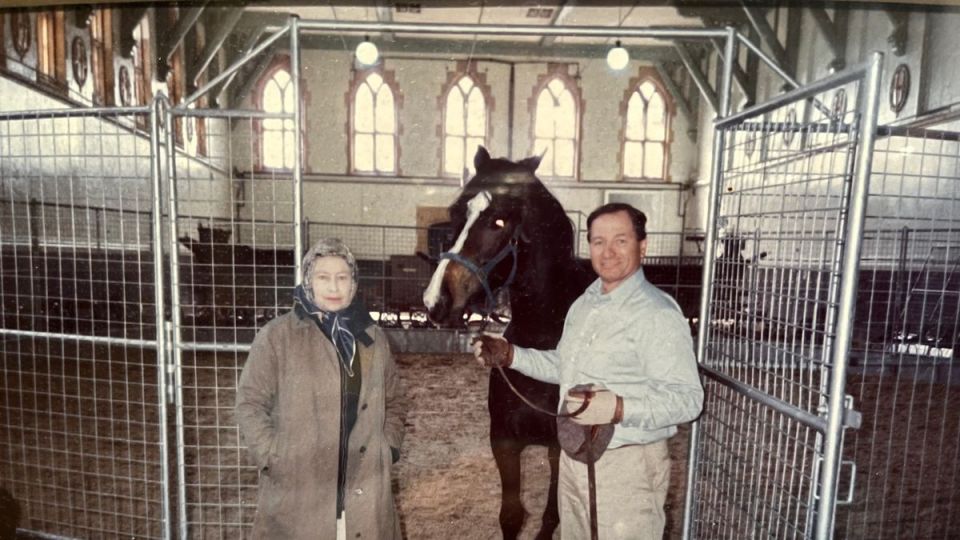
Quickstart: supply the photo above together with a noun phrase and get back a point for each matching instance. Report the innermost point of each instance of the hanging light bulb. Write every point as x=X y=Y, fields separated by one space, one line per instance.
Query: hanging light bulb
x=367 y=53
x=618 y=57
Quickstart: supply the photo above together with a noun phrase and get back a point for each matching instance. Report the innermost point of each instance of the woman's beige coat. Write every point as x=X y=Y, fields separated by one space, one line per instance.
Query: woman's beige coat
x=288 y=409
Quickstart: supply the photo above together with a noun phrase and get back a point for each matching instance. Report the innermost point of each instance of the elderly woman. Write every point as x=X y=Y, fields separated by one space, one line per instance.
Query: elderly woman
x=320 y=408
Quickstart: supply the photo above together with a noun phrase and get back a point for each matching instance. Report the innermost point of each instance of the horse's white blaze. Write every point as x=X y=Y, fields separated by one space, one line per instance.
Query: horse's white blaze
x=479 y=203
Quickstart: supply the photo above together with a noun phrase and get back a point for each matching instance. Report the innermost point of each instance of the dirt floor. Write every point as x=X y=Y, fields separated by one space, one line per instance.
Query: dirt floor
x=80 y=446
x=448 y=485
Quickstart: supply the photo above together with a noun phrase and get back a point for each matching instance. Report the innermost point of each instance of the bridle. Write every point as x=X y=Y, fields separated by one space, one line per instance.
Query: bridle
x=483 y=273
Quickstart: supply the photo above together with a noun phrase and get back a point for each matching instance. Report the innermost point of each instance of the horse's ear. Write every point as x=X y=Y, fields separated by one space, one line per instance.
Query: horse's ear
x=481 y=158
x=531 y=163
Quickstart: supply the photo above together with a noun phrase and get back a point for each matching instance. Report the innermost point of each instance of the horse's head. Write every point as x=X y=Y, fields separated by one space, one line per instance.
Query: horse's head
x=502 y=209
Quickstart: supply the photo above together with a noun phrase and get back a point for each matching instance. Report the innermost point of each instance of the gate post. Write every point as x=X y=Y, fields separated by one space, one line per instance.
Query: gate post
x=162 y=358
x=713 y=201
x=856 y=210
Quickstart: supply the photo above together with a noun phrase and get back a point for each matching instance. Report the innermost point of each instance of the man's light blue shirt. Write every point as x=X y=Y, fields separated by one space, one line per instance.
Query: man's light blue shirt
x=635 y=342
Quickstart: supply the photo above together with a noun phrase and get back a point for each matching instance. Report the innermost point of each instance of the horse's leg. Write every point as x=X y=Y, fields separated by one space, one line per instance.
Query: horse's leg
x=551 y=513
x=507 y=454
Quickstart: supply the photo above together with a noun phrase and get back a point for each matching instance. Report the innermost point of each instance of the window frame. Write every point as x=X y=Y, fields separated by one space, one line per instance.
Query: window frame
x=51 y=71
x=463 y=69
x=645 y=74
x=559 y=71
x=280 y=61
x=389 y=79
x=101 y=56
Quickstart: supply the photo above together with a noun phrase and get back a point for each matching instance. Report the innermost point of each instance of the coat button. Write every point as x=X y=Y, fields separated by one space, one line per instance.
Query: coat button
x=358 y=491
x=363 y=407
x=363 y=449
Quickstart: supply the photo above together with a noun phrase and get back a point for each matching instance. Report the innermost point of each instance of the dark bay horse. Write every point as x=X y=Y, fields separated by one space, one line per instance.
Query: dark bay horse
x=511 y=231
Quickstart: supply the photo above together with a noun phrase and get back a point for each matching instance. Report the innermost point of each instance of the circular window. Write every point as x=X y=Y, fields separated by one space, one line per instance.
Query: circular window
x=78 y=60
x=124 y=83
x=899 y=88
x=20 y=32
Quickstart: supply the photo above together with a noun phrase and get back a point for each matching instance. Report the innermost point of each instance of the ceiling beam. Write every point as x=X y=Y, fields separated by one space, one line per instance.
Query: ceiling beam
x=224 y=27
x=561 y=12
x=129 y=19
x=385 y=15
x=693 y=68
x=251 y=77
x=898 y=35
x=499 y=49
x=188 y=17
x=759 y=23
x=678 y=96
x=252 y=39
x=739 y=75
x=834 y=33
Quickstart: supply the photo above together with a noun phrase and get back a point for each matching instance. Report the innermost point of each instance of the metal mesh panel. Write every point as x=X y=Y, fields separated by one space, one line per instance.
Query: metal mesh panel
x=236 y=273
x=780 y=217
x=82 y=430
x=903 y=377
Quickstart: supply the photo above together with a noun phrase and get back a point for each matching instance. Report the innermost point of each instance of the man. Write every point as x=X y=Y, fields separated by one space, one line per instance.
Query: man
x=629 y=341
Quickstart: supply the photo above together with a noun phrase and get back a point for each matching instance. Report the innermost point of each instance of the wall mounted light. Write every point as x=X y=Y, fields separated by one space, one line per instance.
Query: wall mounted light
x=367 y=53
x=618 y=57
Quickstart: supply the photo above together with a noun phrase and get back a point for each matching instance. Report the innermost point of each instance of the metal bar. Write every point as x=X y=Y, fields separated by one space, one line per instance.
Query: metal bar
x=156 y=170
x=797 y=94
x=713 y=207
x=739 y=75
x=143 y=343
x=234 y=67
x=698 y=78
x=848 y=294
x=231 y=113
x=515 y=30
x=294 y=26
x=210 y=50
x=215 y=347
x=69 y=113
x=755 y=394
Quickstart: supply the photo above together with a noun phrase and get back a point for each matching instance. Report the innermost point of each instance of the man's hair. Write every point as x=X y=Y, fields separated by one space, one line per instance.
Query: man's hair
x=637 y=217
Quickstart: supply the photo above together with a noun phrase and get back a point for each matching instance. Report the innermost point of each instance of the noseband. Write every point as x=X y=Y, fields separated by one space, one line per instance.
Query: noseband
x=483 y=273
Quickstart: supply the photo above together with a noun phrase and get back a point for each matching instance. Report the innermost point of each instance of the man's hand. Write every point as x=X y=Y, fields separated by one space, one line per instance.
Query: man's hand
x=492 y=351
x=605 y=407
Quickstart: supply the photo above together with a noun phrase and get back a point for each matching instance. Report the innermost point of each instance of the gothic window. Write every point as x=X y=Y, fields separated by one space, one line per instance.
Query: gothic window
x=277 y=141
x=646 y=128
x=556 y=125
x=373 y=119
x=465 y=124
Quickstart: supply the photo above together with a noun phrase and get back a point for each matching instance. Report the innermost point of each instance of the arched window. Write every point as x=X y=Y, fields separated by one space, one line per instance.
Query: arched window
x=373 y=115
x=277 y=141
x=556 y=124
x=646 y=133
x=465 y=123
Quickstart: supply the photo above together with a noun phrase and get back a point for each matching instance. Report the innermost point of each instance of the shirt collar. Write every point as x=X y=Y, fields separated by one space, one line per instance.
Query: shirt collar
x=626 y=289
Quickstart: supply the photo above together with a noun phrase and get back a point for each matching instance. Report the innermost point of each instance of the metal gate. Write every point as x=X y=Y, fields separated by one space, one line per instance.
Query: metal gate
x=83 y=423
x=786 y=219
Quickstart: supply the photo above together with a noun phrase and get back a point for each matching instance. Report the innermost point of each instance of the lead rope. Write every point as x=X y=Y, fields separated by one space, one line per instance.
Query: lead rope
x=583 y=406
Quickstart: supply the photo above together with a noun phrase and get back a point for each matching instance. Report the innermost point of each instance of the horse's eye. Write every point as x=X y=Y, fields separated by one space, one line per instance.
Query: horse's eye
x=499 y=224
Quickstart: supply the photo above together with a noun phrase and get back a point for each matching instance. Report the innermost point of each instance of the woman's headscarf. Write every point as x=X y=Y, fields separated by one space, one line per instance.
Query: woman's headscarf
x=342 y=327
